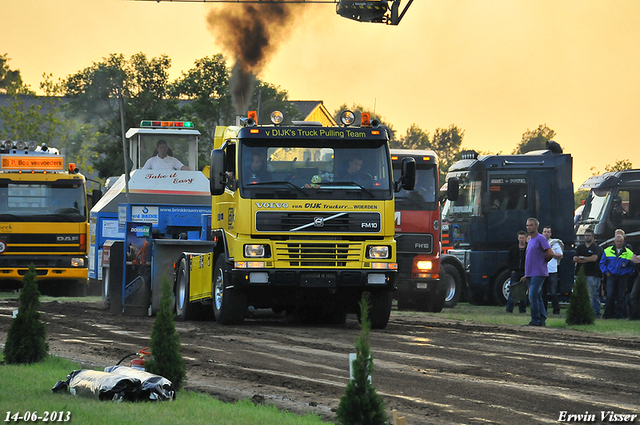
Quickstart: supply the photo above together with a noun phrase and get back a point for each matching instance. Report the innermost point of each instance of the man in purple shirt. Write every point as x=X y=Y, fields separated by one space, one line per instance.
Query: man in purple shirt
x=535 y=269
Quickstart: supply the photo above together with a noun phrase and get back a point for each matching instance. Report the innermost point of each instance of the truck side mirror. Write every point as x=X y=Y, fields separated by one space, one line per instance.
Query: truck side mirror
x=408 y=179
x=453 y=188
x=216 y=179
x=96 y=194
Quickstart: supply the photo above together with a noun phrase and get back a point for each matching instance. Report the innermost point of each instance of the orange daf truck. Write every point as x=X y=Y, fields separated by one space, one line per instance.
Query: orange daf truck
x=43 y=219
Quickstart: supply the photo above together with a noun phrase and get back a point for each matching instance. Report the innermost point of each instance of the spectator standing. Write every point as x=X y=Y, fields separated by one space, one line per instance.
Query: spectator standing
x=588 y=256
x=515 y=261
x=550 y=289
x=616 y=265
x=535 y=270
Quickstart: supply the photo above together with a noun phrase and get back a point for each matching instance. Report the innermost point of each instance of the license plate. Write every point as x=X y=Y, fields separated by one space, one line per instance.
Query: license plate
x=318 y=279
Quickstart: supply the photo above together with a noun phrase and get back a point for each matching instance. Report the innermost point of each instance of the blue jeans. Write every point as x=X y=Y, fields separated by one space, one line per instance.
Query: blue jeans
x=614 y=304
x=522 y=305
x=538 y=312
x=593 y=285
x=550 y=291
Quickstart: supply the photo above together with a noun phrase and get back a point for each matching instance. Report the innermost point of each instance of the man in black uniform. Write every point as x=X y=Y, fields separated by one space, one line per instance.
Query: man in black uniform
x=515 y=261
x=588 y=256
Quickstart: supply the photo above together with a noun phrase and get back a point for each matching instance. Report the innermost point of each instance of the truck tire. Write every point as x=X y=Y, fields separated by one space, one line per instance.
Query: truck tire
x=185 y=310
x=500 y=292
x=437 y=304
x=380 y=309
x=423 y=302
x=454 y=285
x=229 y=306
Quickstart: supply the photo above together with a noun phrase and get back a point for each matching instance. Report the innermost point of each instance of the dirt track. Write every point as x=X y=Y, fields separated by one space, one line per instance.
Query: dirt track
x=432 y=371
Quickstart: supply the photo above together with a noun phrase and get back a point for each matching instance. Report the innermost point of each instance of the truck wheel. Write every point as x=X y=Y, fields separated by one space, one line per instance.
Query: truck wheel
x=422 y=302
x=454 y=285
x=437 y=304
x=380 y=309
x=229 y=306
x=501 y=288
x=106 y=297
x=185 y=310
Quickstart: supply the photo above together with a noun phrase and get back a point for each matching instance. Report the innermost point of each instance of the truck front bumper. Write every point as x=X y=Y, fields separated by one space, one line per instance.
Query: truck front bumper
x=54 y=267
x=420 y=286
x=299 y=278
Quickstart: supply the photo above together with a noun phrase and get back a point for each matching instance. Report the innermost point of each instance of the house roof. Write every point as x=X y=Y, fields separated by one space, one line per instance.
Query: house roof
x=314 y=110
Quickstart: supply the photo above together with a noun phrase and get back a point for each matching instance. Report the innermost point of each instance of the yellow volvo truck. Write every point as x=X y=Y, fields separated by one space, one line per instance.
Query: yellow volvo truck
x=43 y=219
x=303 y=222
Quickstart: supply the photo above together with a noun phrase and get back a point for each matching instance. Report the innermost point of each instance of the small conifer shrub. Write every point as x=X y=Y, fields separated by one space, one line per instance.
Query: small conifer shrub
x=27 y=335
x=580 y=311
x=166 y=360
x=360 y=404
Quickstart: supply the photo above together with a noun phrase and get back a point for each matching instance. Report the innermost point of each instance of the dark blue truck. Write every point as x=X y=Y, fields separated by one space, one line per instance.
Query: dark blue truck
x=497 y=193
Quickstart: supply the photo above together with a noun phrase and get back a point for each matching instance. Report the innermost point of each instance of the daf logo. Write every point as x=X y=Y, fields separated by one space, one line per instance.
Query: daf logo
x=67 y=238
x=318 y=221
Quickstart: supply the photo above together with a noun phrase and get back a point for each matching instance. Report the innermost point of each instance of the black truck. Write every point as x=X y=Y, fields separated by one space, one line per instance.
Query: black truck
x=613 y=203
x=497 y=193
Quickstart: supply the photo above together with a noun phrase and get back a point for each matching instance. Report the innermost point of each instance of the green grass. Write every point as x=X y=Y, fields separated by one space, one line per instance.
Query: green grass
x=498 y=316
x=28 y=388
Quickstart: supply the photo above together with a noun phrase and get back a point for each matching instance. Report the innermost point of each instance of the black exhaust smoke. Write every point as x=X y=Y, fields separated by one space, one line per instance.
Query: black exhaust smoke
x=251 y=33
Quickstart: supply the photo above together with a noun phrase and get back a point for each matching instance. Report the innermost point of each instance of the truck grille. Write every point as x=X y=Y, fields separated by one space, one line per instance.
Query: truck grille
x=317 y=254
x=25 y=243
x=415 y=243
x=309 y=221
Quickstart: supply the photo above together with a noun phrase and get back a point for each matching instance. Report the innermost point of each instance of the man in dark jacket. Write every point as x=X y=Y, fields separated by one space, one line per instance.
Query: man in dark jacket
x=515 y=261
x=588 y=257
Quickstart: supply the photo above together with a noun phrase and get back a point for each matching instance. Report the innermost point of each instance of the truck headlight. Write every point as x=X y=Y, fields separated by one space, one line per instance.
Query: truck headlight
x=374 y=251
x=424 y=265
x=254 y=251
x=77 y=262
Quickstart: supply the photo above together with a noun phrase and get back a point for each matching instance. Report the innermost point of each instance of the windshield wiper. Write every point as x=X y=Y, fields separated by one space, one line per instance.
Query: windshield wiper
x=348 y=183
x=286 y=183
x=58 y=217
x=10 y=217
x=589 y=221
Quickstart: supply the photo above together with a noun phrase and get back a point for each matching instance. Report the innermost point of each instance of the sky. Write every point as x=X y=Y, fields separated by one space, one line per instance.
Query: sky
x=493 y=68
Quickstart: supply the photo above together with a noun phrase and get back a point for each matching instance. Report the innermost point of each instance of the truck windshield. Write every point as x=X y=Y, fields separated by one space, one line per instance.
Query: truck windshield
x=177 y=147
x=42 y=202
x=595 y=205
x=467 y=204
x=423 y=197
x=321 y=169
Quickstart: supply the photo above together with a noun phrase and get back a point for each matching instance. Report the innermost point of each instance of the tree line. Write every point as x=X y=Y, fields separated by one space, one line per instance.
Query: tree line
x=87 y=124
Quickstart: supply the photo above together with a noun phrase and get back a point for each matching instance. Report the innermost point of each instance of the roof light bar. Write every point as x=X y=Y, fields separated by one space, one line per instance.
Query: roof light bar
x=163 y=124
